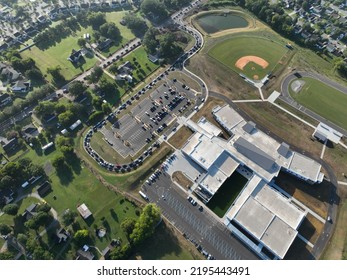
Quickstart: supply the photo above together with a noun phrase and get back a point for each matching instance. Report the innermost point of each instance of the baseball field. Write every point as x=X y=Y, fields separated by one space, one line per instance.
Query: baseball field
x=253 y=57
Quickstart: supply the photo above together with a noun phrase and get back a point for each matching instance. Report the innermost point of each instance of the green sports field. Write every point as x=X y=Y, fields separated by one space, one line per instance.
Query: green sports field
x=328 y=102
x=229 y=51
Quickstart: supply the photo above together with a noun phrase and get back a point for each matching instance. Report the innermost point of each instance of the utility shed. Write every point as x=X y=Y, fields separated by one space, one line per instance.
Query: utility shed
x=84 y=211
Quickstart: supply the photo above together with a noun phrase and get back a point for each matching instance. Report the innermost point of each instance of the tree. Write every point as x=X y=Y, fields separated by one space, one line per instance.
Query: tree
x=69 y=217
x=168 y=48
x=76 y=88
x=11 y=209
x=136 y=24
x=66 y=118
x=81 y=236
x=110 y=30
x=146 y=223
x=106 y=86
x=33 y=74
x=44 y=108
x=41 y=254
x=62 y=141
x=56 y=74
x=96 y=74
x=81 y=42
x=120 y=253
x=6 y=182
x=59 y=162
x=44 y=207
x=149 y=40
x=95 y=117
x=96 y=19
x=106 y=108
x=5 y=229
x=128 y=226
x=154 y=10
x=6 y=256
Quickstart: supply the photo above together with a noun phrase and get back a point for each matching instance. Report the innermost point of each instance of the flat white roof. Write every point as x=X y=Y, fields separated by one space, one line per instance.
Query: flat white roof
x=226 y=164
x=330 y=133
x=280 y=206
x=267 y=215
x=209 y=127
x=305 y=167
x=213 y=179
x=202 y=150
x=227 y=116
x=254 y=217
x=278 y=237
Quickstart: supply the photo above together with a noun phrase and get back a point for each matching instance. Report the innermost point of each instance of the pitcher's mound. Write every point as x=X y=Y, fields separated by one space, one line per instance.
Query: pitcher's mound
x=255 y=77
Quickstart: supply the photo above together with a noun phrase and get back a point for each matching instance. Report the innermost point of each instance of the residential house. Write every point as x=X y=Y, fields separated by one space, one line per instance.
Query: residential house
x=10 y=145
x=29 y=212
x=8 y=74
x=29 y=131
x=104 y=44
x=6 y=196
x=331 y=47
x=44 y=189
x=5 y=99
x=85 y=254
x=305 y=34
x=21 y=86
x=62 y=235
x=75 y=56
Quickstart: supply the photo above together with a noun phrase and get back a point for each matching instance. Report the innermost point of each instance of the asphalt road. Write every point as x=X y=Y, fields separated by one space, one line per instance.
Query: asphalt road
x=285 y=96
x=199 y=226
x=334 y=197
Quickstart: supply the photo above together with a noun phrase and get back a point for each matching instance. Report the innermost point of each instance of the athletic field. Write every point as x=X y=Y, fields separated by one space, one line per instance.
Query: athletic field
x=253 y=57
x=328 y=102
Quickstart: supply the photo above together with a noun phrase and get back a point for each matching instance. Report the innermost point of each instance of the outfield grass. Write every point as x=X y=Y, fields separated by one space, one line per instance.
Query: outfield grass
x=328 y=102
x=226 y=194
x=230 y=50
x=58 y=54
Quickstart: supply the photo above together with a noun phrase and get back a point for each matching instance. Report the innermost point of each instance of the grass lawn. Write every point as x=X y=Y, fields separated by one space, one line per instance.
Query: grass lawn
x=58 y=54
x=127 y=35
x=84 y=187
x=328 y=102
x=141 y=65
x=230 y=50
x=226 y=194
x=337 y=246
x=105 y=150
x=180 y=137
x=166 y=245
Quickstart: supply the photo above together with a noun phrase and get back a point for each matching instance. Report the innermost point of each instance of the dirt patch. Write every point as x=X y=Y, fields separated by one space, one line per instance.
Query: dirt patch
x=180 y=137
x=182 y=180
x=243 y=61
x=314 y=197
x=255 y=77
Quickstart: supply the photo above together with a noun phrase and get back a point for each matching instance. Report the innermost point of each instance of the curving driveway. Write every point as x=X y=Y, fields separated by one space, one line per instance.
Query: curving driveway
x=286 y=97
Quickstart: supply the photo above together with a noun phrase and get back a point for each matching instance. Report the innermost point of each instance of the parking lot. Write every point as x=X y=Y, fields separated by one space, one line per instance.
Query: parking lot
x=199 y=226
x=149 y=117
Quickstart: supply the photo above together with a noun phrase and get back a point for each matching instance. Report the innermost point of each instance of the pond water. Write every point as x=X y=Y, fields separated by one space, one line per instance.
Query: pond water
x=215 y=22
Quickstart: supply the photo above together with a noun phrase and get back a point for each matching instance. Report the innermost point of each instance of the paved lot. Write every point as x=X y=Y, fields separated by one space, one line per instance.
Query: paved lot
x=185 y=165
x=201 y=227
x=149 y=117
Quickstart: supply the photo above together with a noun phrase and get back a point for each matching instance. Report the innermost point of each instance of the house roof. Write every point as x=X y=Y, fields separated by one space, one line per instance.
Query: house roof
x=84 y=255
x=84 y=211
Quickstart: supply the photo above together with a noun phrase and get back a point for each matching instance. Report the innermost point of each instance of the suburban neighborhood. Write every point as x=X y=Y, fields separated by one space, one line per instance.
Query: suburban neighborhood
x=173 y=130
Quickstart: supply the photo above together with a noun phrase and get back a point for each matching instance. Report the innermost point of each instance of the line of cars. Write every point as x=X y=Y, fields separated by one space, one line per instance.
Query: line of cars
x=119 y=168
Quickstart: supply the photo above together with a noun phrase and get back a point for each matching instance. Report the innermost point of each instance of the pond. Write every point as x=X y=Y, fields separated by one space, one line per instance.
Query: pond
x=215 y=22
